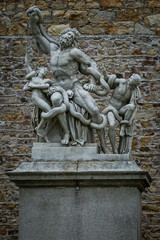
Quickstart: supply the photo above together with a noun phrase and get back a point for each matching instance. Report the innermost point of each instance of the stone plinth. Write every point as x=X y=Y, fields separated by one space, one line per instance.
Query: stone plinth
x=94 y=199
x=55 y=151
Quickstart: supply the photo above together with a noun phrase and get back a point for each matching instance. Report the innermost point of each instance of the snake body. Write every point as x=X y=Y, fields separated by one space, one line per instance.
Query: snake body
x=112 y=109
x=101 y=125
x=53 y=112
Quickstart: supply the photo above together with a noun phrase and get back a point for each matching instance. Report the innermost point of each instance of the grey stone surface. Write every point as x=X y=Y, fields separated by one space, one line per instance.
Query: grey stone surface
x=53 y=151
x=73 y=213
x=89 y=173
x=141 y=29
x=154 y=20
x=94 y=199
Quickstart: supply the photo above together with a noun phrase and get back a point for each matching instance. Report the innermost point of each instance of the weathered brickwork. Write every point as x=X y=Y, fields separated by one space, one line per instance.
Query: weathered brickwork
x=106 y=22
x=89 y=16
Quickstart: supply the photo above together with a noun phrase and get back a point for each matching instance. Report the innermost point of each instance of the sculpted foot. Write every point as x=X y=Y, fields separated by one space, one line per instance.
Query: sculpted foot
x=115 y=151
x=40 y=132
x=65 y=140
x=73 y=143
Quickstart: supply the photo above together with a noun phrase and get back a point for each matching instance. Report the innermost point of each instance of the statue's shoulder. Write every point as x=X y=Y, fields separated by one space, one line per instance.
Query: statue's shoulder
x=74 y=52
x=54 y=48
x=121 y=81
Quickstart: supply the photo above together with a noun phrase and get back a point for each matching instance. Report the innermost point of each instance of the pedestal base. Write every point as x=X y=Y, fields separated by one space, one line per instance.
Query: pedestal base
x=94 y=199
x=70 y=213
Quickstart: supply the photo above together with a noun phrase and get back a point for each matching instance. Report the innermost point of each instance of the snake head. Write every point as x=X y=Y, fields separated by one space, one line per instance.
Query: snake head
x=34 y=12
x=31 y=11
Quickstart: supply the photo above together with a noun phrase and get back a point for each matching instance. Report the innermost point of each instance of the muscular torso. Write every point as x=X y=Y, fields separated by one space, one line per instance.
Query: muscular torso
x=64 y=68
x=121 y=96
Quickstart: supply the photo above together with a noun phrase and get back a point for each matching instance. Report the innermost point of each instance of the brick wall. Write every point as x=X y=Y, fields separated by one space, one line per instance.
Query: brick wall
x=123 y=36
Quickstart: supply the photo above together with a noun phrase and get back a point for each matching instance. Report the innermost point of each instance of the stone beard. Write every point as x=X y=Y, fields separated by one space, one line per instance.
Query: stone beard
x=66 y=42
x=69 y=38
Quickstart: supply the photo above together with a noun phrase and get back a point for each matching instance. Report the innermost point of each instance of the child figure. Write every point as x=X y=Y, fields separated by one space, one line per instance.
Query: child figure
x=40 y=95
x=39 y=89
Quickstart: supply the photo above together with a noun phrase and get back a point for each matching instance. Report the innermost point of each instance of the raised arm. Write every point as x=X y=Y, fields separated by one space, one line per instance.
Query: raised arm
x=27 y=59
x=44 y=43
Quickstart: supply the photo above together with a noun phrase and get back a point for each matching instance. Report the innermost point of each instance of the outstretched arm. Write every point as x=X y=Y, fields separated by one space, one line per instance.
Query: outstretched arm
x=81 y=57
x=86 y=65
x=44 y=42
x=89 y=67
x=38 y=86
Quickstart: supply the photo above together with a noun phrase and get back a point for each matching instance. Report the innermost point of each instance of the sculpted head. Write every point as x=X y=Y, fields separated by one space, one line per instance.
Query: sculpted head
x=69 y=38
x=135 y=80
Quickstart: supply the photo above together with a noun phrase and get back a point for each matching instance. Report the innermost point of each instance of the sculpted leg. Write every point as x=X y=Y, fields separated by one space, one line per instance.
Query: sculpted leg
x=111 y=132
x=45 y=107
x=39 y=129
x=101 y=135
x=126 y=128
x=98 y=119
x=41 y=103
x=64 y=124
x=85 y=100
x=127 y=112
x=57 y=101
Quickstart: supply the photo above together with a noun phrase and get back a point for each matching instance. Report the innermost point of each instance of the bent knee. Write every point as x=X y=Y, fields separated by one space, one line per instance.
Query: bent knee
x=56 y=99
x=34 y=100
x=95 y=111
x=132 y=107
x=128 y=108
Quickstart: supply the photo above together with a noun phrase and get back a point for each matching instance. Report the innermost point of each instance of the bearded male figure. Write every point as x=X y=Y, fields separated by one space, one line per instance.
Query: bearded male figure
x=66 y=61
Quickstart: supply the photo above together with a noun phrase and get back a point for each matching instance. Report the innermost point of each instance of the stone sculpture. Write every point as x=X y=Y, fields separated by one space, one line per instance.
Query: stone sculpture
x=122 y=106
x=68 y=100
x=67 y=113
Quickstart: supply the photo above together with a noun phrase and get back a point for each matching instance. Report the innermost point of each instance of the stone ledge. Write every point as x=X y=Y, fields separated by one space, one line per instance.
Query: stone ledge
x=56 y=152
x=81 y=173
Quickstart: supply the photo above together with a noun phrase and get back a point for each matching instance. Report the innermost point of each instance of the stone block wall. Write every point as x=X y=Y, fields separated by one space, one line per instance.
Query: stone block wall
x=122 y=35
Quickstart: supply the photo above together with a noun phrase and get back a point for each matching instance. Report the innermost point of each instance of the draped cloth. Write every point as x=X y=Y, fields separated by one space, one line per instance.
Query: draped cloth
x=126 y=131
x=79 y=133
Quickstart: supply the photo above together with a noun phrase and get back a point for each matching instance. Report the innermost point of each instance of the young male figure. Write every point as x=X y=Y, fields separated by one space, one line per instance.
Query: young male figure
x=124 y=100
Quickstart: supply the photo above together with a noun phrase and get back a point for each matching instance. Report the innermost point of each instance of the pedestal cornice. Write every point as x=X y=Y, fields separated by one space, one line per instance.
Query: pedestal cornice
x=82 y=173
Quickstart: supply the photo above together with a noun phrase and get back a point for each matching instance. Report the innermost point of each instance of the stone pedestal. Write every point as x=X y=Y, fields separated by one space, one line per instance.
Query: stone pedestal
x=93 y=198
